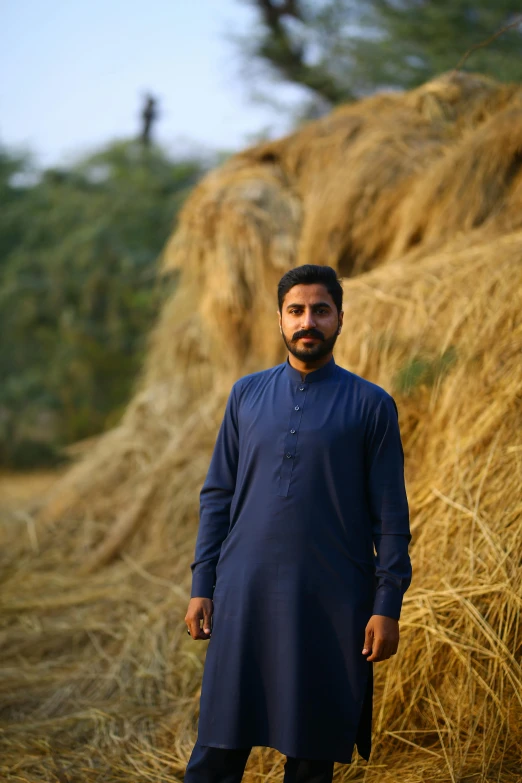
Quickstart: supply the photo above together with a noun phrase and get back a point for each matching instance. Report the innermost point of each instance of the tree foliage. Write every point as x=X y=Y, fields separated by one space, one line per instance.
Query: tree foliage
x=338 y=50
x=78 y=290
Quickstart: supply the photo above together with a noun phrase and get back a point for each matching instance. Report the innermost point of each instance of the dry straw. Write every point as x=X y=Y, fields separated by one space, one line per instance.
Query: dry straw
x=416 y=199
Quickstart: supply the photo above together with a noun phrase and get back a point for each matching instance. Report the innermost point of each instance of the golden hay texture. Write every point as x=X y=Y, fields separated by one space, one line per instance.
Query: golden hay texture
x=416 y=199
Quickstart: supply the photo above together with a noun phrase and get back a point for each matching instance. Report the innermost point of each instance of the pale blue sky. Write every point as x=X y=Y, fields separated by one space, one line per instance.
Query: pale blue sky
x=74 y=71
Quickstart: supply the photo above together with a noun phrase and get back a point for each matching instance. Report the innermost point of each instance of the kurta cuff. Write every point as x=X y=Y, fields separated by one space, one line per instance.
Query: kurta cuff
x=202 y=585
x=388 y=602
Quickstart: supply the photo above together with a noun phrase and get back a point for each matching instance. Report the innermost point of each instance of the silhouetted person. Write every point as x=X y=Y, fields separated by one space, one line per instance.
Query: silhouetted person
x=148 y=115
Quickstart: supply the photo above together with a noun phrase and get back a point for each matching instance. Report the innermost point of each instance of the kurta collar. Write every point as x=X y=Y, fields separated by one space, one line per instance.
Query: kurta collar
x=316 y=375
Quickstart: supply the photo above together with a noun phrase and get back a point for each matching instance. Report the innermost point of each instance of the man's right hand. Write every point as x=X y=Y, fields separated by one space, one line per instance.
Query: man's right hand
x=199 y=609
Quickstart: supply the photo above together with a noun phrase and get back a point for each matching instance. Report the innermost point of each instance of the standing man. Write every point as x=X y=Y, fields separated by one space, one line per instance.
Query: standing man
x=301 y=558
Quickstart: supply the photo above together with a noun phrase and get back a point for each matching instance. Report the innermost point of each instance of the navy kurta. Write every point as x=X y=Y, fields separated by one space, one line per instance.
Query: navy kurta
x=306 y=478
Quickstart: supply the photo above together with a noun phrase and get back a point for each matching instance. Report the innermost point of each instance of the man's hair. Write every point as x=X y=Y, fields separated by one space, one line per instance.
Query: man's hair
x=308 y=274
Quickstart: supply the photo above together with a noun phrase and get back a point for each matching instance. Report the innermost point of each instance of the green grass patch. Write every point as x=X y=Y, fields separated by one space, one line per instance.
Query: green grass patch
x=424 y=370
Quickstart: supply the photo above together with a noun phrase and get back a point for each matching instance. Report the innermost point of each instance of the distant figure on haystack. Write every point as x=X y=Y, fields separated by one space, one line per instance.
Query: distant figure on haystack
x=149 y=115
x=301 y=559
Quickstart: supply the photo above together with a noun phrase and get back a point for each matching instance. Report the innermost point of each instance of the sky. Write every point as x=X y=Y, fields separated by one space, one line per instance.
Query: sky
x=74 y=73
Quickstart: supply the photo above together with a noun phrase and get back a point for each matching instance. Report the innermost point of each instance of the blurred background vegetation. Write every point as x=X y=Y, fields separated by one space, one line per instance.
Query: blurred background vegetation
x=341 y=50
x=79 y=244
x=78 y=292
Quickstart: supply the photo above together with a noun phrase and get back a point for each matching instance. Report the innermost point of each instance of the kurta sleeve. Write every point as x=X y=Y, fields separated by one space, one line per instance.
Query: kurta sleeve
x=215 y=500
x=389 y=509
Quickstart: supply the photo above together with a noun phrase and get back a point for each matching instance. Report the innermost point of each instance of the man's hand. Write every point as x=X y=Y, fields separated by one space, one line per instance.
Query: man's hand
x=381 y=638
x=199 y=609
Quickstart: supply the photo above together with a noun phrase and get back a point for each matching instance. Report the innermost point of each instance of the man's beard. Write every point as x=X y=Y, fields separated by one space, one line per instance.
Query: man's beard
x=313 y=352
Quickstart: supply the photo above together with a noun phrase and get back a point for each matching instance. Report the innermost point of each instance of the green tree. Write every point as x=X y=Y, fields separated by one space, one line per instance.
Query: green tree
x=78 y=290
x=339 y=50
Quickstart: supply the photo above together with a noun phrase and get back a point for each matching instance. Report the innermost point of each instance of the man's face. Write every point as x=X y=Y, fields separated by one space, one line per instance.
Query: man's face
x=309 y=322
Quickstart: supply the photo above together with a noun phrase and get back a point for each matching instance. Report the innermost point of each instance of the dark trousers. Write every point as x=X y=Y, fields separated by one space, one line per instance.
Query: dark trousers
x=223 y=765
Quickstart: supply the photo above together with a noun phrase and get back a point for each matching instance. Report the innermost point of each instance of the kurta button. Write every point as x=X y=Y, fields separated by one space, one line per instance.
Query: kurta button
x=288 y=456
x=293 y=432
x=296 y=408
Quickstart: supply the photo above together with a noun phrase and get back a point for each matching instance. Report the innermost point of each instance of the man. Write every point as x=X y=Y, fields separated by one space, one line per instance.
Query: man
x=301 y=559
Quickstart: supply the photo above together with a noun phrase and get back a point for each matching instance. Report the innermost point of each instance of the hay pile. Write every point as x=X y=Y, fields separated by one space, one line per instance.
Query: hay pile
x=416 y=199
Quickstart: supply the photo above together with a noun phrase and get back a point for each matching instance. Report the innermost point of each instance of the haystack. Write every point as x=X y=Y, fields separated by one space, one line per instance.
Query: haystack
x=416 y=199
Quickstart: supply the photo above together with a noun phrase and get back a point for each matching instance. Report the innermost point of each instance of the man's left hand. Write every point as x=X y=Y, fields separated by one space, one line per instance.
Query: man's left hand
x=381 y=638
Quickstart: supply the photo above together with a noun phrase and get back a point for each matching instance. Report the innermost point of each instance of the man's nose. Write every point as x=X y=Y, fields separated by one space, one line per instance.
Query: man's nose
x=308 y=321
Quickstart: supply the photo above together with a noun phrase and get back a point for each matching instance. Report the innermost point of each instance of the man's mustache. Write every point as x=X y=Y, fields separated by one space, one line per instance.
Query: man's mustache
x=310 y=333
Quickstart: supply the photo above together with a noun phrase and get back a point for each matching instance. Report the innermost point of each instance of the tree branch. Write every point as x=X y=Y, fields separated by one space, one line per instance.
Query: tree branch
x=274 y=13
x=288 y=58
x=516 y=23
